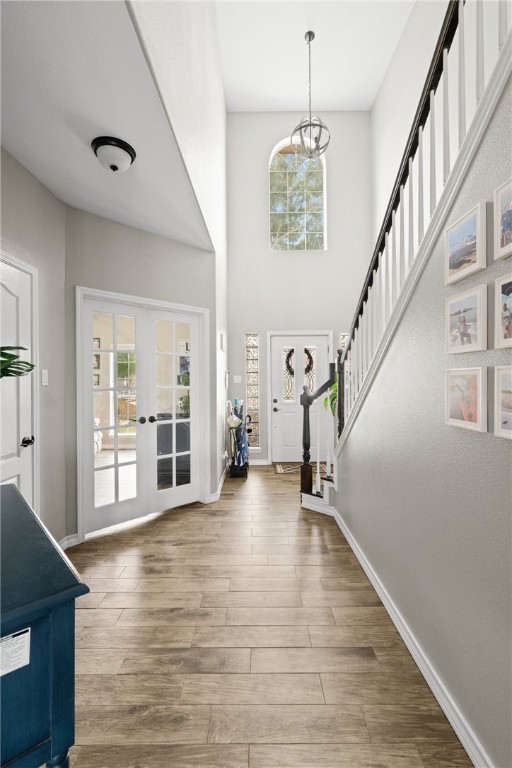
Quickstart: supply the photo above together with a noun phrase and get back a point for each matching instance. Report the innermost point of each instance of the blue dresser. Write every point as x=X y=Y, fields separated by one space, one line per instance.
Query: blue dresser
x=38 y=590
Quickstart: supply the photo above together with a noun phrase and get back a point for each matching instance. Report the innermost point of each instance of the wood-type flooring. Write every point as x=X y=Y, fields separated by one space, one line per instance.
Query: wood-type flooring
x=244 y=634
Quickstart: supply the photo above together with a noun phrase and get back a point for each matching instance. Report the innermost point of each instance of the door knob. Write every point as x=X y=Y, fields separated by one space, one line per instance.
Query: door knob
x=152 y=419
x=276 y=409
x=142 y=420
x=27 y=441
x=274 y=400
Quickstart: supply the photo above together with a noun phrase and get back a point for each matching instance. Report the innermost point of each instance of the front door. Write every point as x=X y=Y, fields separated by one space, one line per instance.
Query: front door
x=17 y=394
x=297 y=360
x=141 y=429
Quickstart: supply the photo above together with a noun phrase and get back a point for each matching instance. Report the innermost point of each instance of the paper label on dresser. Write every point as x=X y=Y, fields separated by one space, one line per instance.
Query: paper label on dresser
x=14 y=651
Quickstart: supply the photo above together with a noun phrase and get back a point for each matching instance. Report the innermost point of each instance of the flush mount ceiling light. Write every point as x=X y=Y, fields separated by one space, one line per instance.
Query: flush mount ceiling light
x=114 y=154
x=311 y=133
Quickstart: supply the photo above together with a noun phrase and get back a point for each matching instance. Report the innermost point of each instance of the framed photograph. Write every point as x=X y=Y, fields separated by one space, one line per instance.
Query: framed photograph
x=466 y=321
x=503 y=401
x=465 y=246
x=466 y=398
x=96 y=342
x=503 y=221
x=503 y=312
x=96 y=362
x=96 y=379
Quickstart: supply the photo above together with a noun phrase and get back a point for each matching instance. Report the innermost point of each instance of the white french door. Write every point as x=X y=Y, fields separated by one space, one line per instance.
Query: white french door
x=141 y=426
x=297 y=361
x=18 y=433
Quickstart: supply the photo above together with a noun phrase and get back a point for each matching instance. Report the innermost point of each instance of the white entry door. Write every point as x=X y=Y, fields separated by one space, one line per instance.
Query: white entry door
x=18 y=432
x=140 y=429
x=297 y=361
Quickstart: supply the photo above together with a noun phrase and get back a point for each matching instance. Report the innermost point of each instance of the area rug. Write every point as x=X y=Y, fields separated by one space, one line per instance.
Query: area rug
x=291 y=468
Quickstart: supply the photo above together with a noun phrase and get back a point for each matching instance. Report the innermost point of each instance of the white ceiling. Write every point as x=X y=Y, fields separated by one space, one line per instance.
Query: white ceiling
x=72 y=71
x=265 y=56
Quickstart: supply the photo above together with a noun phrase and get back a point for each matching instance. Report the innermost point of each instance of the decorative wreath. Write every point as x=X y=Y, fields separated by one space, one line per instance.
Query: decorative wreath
x=288 y=362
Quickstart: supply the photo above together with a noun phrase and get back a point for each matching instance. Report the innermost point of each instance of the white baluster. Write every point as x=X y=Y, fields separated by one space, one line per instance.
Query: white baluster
x=402 y=238
x=382 y=277
x=462 y=76
x=502 y=23
x=393 y=265
x=411 y=216
x=432 y=156
x=446 y=119
x=346 y=388
x=479 y=50
x=420 y=185
x=362 y=326
x=385 y=277
x=355 y=363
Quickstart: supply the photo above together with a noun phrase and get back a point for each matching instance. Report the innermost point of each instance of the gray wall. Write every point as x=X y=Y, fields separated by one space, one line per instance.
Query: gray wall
x=72 y=248
x=113 y=257
x=33 y=230
x=293 y=290
x=430 y=504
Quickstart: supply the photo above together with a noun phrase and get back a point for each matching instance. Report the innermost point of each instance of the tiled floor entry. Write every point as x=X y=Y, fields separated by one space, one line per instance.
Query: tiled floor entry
x=243 y=634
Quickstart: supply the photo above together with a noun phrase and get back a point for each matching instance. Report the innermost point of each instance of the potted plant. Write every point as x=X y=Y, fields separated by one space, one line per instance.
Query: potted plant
x=10 y=363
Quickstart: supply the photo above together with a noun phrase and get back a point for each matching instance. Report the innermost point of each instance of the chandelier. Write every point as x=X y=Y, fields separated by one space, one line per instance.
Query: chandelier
x=311 y=133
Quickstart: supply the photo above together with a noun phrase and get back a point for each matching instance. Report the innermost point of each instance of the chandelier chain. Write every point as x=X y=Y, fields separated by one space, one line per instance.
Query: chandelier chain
x=309 y=58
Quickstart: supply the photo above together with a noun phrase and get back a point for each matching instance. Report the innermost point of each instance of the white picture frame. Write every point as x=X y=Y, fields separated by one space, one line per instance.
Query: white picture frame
x=466 y=398
x=465 y=246
x=503 y=401
x=503 y=220
x=466 y=321
x=503 y=312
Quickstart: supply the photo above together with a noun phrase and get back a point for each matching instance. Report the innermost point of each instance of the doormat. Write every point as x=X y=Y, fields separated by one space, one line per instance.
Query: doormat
x=293 y=468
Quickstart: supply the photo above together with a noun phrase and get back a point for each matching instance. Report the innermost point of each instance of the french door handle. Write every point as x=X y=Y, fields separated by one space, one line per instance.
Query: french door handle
x=27 y=441
x=142 y=420
x=152 y=419
x=276 y=410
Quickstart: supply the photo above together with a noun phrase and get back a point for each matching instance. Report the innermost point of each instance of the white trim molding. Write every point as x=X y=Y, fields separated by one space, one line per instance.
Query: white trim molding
x=459 y=723
x=216 y=495
x=33 y=271
x=69 y=541
x=316 y=504
x=83 y=293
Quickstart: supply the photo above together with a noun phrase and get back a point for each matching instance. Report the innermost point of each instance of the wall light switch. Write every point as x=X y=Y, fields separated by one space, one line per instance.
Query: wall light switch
x=237 y=379
x=44 y=377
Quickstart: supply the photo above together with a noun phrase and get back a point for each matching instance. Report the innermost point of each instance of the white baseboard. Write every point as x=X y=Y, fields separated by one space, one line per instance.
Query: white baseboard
x=316 y=504
x=460 y=725
x=69 y=541
x=216 y=496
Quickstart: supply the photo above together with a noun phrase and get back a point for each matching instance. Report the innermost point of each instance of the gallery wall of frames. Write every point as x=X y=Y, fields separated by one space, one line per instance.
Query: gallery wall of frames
x=467 y=330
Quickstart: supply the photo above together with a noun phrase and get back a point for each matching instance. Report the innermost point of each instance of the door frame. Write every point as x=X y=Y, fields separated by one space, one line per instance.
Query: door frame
x=270 y=335
x=83 y=293
x=33 y=272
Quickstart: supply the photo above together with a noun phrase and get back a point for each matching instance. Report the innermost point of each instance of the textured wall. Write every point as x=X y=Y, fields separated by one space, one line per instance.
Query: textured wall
x=430 y=504
x=33 y=231
x=113 y=257
x=286 y=290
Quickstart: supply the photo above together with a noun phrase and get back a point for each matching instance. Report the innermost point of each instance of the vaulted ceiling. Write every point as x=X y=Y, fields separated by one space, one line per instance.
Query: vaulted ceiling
x=72 y=71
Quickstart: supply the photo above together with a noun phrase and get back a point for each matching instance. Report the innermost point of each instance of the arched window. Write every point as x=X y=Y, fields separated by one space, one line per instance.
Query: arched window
x=297 y=200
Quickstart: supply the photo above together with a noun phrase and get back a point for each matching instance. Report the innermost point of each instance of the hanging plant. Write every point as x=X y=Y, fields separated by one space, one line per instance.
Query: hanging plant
x=331 y=398
x=11 y=365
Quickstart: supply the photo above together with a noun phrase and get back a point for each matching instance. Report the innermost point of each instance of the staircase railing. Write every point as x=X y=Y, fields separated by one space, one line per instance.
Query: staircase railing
x=306 y=400
x=457 y=66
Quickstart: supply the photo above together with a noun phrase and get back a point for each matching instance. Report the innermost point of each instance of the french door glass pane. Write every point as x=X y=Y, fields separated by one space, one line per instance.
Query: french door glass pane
x=115 y=408
x=172 y=397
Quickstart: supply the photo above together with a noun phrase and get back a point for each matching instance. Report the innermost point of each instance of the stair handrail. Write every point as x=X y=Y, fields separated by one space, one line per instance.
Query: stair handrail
x=446 y=36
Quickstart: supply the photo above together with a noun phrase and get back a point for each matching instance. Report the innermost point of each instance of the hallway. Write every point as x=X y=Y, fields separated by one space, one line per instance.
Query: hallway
x=244 y=633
